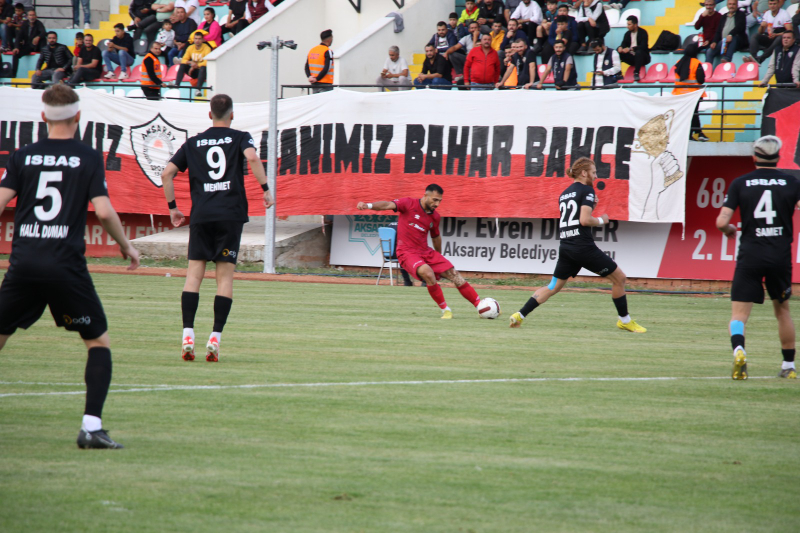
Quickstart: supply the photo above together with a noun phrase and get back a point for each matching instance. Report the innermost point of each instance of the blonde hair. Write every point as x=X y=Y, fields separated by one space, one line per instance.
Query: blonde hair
x=578 y=166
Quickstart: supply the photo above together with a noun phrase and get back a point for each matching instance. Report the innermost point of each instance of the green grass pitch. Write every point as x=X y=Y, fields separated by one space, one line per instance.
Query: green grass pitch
x=697 y=453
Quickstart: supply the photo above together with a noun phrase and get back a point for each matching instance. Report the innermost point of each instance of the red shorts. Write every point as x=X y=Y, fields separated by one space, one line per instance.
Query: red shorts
x=412 y=260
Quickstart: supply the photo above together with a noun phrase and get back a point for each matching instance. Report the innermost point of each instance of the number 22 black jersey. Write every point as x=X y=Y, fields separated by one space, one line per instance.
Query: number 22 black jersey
x=54 y=180
x=570 y=230
x=766 y=199
x=215 y=159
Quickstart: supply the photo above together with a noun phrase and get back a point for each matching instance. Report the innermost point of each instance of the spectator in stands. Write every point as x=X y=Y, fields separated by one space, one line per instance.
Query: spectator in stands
x=510 y=7
x=192 y=8
x=395 y=71
x=256 y=9
x=139 y=10
x=796 y=23
x=572 y=41
x=167 y=38
x=88 y=67
x=6 y=12
x=543 y=31
x=592 y=23
x=119 y=51
x=58 y=59
x=443 y=39
x=497 y=34
x=183 y=27
x=436 y=70
x=210 y=25
x=731 y=35
x=469 y=14
x=151 y=73
x=31 y=37
x=193 y=63
x=236 y=21
x=562 y=65
x=151 y=25
x=319 y=64
x=482 y=68
x=619 y=5
x=784 y=63
x=489 y=12
x=507 y=62
x=709 y=20
x=13 y=24
x=77 y=44
x=512 y=35
x=529 y=15
x=560 y=33
x=523 y=67
x=452 y=25
x=689 y=77
x=457 y=54
x=774 y=23
x=635 y=50
x=607 y=69
x=76 y=14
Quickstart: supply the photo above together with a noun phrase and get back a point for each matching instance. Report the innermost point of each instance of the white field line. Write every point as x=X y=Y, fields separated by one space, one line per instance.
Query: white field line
x=158 y=388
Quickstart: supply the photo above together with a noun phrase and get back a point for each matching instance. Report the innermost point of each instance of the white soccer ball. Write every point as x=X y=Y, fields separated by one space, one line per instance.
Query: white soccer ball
x=488 y=308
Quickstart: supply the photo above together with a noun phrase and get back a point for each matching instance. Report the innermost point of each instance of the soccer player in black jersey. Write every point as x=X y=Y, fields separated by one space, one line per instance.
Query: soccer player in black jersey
x=54 y=180
x=578 y=250
x=215 y=159
x=766 y=199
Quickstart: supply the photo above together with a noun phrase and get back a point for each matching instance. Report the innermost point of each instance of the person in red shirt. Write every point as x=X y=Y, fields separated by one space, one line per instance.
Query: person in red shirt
x=416 y=218
x=482 y=67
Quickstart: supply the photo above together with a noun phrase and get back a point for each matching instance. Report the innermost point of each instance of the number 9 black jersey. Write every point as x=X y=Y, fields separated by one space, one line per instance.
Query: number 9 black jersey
x=766 y=199
x=570 y=231
x=215 y=159
x=54 y=179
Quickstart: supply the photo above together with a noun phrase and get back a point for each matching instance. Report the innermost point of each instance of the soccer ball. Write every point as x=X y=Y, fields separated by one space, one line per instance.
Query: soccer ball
x=488 y=308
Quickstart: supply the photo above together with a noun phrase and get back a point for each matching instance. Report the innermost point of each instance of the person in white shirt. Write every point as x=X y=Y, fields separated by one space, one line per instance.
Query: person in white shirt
x=592 y=23
x=529 y=15
x=192 y=8
x=395 y=72
x=607 y=65
x=773 y=24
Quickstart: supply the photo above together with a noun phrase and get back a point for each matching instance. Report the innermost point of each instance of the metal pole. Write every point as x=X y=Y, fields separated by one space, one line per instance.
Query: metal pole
x=272 y=162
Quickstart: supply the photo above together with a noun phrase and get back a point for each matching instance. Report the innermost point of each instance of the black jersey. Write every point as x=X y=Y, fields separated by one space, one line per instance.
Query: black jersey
x=766 y=199
x=570 y=230
x=54 y=180
x=216 y=160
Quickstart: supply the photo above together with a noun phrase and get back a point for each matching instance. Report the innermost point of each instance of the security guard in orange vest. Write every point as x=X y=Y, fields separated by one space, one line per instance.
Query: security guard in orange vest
x=319 y=65
x=151 y=73
x=689 y=77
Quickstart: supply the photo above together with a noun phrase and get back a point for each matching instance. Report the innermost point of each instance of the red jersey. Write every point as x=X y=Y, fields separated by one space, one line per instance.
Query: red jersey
x=413 y=225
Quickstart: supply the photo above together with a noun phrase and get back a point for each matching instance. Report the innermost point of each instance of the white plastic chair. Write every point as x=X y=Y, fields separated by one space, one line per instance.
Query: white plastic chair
x=696 y=17
x=135 y=93
x=613 y=17
x=623 y=18
x=710 y=101
x=172 y=93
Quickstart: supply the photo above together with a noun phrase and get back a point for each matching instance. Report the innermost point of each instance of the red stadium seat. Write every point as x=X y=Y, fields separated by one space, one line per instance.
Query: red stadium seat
x=550 y=78
x=656 y=73
x=136 y=75
x=628 y=78
x=708 y=69
x=747 y=72
x=724 y=72
x=171 y=74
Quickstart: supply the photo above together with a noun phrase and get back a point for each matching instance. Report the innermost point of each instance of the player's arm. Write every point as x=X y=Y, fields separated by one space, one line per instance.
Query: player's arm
x=110 y=220
x=724 y=221
x=167 y=177
x=258 y=171
x=587 y=219
x=437 y=243
x=6 y=195
x=377 y=206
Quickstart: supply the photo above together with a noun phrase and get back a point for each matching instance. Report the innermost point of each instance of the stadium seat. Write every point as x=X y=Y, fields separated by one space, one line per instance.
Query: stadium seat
x=724 y=72
x=5 y=70
x=623 y=18
x=628 y=78
x=710 y=101
x=172 y=93
x=140 y=47
x=747 y=72
x=135 y=93
x=136 y=75
x=102 y=45
x=171 y=74
x=689 y=40
x=388 y=238
x=708 y=69
x=613 y=17
x=656 y=73
x=550 y=78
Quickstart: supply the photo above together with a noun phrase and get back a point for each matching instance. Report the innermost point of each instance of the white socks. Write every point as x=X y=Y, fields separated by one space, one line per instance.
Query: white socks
x=625 y=319
x=188 y=332
x=215 y=335
x=91 y=423
x=787 y=364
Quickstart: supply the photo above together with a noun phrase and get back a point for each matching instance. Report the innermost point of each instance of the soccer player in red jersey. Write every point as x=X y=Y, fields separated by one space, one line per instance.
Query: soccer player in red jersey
x=416 y=217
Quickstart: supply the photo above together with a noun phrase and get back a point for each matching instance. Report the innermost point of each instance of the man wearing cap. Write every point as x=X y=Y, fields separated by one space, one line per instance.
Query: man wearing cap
x=319 y=65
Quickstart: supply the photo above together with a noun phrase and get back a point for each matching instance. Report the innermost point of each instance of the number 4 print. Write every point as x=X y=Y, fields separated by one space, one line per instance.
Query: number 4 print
x=764 y=207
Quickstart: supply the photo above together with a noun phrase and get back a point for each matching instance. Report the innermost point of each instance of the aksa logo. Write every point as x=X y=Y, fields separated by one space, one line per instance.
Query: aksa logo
x=228 y=253
x=79 y=321
x=364 y=229
x=154 y=143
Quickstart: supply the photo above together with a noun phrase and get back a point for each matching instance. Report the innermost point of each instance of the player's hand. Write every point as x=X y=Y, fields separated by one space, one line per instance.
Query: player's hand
x=133 y=254
x=604 y=217
x=730 y=230
x=176 y=217
x=361 y=206
x=268 y=201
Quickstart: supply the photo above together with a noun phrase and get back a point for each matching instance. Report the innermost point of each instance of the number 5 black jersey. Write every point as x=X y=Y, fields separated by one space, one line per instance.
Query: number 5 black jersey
x=54 y=180
x=215 y=159
x=766 y=199
x=570 y=231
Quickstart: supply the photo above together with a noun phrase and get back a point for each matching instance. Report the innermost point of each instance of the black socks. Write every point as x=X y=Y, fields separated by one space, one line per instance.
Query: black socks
x=222 y=307
x=189 y=301
x=98 y=378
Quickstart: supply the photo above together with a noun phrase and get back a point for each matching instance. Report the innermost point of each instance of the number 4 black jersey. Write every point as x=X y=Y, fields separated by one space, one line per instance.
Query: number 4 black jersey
x=54 y=180
x=766 y=199
x=570 y=230
x=215 y=159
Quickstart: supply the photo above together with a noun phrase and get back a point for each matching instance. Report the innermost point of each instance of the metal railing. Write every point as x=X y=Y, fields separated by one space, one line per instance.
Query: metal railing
x=132 y=85
x=68 y=5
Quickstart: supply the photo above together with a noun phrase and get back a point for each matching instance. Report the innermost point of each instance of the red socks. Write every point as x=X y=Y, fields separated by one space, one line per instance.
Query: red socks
x=438 y=296
x=469 y=293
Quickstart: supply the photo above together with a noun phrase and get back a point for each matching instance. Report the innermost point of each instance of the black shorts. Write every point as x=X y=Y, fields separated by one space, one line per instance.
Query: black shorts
x=73 y=303
x=571 y=260
x=747 y=283
x=215 y=241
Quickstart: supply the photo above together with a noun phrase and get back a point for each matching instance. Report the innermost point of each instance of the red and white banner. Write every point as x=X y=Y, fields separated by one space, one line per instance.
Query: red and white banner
x=496 y=154
x=531 y=246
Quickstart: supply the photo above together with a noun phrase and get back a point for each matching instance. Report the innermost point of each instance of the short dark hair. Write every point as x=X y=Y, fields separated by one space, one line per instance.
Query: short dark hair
x=633 y=18
x=51 y=32
x=471 y=22
x=221 y=105
x=441 y=23
x=562 y=18
x=597 y=42
x=119 y=26
x=85 y=35
x=521 y=40
x=434 y=188
x=430 y=45
x=19 y=5
x=210 y=10
x=79 y=35
x=453 y=15
x=325 y=34
x=562 y=42
x=166 y=21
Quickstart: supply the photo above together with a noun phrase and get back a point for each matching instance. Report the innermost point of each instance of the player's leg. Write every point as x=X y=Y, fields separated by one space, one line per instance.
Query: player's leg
x=426 y=274
x=98 y=379
x=223 y=302
x=462 y=285
x=786 y=334
x=540 y=296
x=746 y=289
x=3 y=340
x=624 y=320
x=190 y=299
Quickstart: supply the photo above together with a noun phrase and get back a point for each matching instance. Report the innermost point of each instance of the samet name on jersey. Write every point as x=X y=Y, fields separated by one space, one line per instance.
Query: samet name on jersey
x=43 y=232
x=53 y=161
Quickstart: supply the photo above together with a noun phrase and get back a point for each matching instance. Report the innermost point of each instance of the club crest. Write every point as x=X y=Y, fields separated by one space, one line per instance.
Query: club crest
x=154 y=143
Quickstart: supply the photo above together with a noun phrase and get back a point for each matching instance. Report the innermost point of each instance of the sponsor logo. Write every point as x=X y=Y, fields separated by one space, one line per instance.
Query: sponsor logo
x=78 y=321
x=364 y=229
x=154 y=143
x=228 y=253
